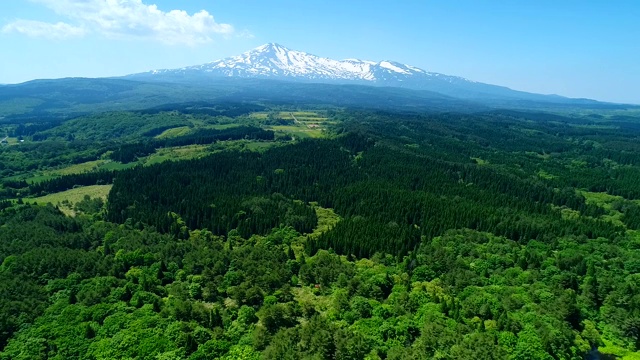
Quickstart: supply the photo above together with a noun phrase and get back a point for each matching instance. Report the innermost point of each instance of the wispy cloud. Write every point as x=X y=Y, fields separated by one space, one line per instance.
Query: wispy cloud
x=245 y=34
x=32 y=28
x=135 y=19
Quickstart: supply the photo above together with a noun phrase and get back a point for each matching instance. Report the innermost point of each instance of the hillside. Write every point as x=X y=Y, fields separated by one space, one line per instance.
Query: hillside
x=276 y=62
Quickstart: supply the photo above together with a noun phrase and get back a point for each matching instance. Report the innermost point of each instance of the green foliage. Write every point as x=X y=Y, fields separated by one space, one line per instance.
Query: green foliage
x=115 y=125
x=139 y=294
x=423 y=254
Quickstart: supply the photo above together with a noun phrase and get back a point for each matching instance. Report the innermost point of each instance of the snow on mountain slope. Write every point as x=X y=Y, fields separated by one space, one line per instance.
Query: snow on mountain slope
x=276 y=61
x=273 y=61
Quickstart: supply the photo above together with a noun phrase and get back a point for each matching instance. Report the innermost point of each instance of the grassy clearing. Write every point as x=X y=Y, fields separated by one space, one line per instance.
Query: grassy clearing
x=174 y=132
x=197 y=151
x=8 y=140
x=85 y=167
x=309 y=124
x=298 y=131
x=608 y=203
x=79 y=168
x=327 y=219
x=13 y=141
x=259 y=115
x=72 y=197
x=176 y=153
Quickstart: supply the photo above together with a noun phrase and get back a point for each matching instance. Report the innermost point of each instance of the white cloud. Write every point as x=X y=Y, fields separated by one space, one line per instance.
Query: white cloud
x=245 y=34
x=135 y=19
x=42 y=29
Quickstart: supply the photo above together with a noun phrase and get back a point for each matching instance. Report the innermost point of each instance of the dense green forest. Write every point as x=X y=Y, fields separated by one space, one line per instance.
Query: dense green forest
x=234 y=231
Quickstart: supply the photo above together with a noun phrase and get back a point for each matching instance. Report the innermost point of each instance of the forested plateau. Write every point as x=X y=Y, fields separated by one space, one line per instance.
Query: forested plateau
x=235 y=230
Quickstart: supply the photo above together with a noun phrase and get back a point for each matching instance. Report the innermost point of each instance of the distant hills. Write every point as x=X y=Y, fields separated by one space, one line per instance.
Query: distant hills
x=66 y=97
x=274 y=61
x=274 y=74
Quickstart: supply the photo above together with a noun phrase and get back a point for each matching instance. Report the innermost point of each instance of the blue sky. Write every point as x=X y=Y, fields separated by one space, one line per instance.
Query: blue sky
x=568 y=47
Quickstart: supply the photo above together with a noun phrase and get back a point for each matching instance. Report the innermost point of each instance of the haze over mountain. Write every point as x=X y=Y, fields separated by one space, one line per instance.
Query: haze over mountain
x=274 y=61
x=275 y=74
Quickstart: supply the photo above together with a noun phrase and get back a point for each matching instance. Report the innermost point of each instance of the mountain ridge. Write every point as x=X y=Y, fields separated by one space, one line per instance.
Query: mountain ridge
x=274 y=61
x=289 y=77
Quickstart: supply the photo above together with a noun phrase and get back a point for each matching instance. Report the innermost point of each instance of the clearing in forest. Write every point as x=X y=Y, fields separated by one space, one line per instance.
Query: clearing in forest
x=66 y=200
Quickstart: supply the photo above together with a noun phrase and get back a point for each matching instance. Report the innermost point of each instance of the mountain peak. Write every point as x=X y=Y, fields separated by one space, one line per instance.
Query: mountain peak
x=269 y=47
x=272 y=60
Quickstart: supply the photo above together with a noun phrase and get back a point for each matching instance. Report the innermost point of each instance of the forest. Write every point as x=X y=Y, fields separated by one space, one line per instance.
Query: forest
x=231 y=231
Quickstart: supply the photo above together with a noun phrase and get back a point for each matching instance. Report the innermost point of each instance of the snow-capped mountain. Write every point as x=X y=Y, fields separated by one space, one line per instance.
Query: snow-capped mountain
x=273 y=61
x=276 y=61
